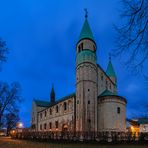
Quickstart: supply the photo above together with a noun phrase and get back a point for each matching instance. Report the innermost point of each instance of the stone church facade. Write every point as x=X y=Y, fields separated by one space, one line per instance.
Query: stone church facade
x=94 y=107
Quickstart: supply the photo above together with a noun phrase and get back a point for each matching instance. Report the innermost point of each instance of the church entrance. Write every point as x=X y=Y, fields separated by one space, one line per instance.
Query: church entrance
x=65 y=128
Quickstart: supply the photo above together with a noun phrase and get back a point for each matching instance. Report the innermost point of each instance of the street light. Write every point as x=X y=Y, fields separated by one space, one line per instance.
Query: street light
x=19 y=125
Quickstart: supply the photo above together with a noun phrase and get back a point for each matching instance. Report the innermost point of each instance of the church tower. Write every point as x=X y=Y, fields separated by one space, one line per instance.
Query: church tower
x=86 y=81
x=52 y=95
x=110 y=71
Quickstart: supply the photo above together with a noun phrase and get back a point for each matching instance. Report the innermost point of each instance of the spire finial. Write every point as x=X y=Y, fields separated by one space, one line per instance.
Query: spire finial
x=86 y=13
x=110 y=56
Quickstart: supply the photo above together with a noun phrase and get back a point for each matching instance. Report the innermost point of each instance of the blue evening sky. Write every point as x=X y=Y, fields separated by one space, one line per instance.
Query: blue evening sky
x=42 y=36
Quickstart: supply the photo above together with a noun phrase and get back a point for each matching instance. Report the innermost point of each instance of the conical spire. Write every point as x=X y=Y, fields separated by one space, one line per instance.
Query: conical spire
x=110 y=70
x=86 y=31
x=52 y=95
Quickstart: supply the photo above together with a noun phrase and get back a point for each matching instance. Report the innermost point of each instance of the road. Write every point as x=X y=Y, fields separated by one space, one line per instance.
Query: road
x=7 y=142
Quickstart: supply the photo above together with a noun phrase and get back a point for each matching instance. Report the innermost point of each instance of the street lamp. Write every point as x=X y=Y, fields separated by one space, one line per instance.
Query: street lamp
x=19 y=125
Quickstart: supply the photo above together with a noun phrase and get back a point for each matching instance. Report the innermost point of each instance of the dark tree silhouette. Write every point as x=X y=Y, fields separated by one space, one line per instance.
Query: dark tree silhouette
x=132 y=38
x=11 y=119
x=9 y=98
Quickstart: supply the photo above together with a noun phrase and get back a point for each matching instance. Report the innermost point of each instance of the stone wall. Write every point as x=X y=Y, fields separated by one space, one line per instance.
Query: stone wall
x=111 y=114
x=57 y=117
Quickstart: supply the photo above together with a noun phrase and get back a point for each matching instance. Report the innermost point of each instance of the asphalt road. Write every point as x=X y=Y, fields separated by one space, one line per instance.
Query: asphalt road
x=7 y=142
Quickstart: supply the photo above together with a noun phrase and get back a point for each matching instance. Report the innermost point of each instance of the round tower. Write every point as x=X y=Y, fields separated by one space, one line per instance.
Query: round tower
x=86 y=81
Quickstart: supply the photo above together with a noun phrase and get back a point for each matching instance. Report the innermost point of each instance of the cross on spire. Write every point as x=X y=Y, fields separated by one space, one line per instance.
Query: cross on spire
x=86 y=13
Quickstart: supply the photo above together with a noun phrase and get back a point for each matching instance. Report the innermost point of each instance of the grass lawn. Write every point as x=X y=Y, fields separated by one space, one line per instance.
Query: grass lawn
x=10 y=143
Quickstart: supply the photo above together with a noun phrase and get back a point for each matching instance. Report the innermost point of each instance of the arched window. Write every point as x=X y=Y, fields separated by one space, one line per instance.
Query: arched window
x=65 y=106
x=50 y=111
x=118 y=110
x=45 y=113
x=57 y=109
x=40 y=126
x=45 y=126
x=40 y=115
x=50 y=125
x=80 y=47
x=56 y=124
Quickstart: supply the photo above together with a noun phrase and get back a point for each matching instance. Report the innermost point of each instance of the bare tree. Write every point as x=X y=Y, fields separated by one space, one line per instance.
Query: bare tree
x=11 y=119
x=9 y=98
x=3 y=51
x=132 y=36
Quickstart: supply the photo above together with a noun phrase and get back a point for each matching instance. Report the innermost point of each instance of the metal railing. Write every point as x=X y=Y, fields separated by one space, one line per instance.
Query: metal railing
x=113 y=137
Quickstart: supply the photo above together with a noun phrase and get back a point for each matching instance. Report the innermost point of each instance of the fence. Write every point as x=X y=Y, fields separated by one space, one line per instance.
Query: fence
x=111 y=137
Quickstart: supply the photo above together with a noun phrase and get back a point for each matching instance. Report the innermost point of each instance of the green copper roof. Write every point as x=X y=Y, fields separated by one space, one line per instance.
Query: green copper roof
x=143 y=120
x=86 y=56
x=107 y=93
x=42 y=103
x=86 y=31
x=110 y=70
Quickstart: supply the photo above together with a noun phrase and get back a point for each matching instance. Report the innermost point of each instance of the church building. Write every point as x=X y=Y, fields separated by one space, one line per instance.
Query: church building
x=94 y=107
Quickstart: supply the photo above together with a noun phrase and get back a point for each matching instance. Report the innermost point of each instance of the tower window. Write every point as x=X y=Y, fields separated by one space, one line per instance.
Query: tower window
x=77 y=101
x=88 y=101
x=81 y=46
x=118 y=110
x=88 y=89
x=94 y=48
